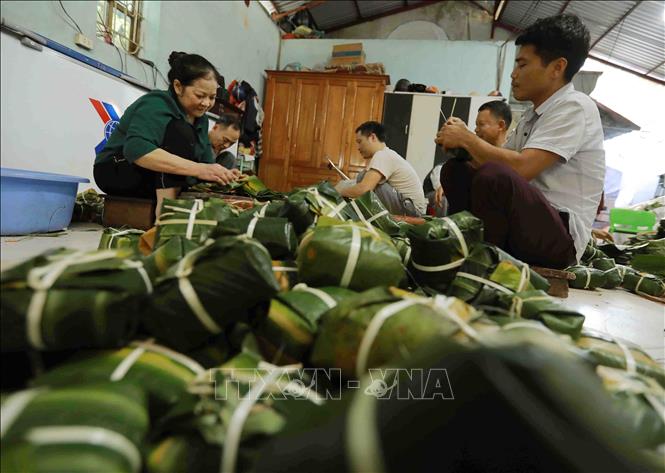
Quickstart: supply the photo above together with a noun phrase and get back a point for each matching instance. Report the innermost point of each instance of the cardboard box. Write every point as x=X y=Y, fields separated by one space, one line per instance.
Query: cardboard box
x=343 y=54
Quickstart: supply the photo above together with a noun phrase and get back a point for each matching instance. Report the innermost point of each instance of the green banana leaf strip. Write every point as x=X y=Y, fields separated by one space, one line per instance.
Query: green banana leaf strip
x=342 y=329
x=644 y=283
x=586 y=278
x=93 y=303
x=348 y=255
x=117 y=408
x=434 y=244
x=403 y=246
x=289 y=328
x=537 y=305
x=613 y=273
x=229 y=277
x=493 y=264
x=269 y=209
x=276 y=234
x=175 y=217
x=591 y=252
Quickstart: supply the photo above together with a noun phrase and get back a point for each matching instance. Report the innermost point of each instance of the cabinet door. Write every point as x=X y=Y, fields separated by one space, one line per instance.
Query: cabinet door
x=396 y=119
x=279 y=106
x=307 y=122
x=422 y=132
x=367 y=105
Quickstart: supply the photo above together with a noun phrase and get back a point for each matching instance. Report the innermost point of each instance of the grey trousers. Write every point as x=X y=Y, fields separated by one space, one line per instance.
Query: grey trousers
x=395 y=202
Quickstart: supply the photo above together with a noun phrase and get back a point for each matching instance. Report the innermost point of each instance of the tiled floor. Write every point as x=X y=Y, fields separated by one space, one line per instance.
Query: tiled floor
x=617 y=312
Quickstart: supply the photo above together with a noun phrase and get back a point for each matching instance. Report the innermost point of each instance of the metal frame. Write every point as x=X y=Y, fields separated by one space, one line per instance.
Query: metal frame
x=135 y=17
x=628 y=69
x=365 y=19
x=616 y=23
x=655 y=67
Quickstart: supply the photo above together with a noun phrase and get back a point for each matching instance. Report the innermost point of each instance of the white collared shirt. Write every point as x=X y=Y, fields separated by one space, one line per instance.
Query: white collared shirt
x=567 y=124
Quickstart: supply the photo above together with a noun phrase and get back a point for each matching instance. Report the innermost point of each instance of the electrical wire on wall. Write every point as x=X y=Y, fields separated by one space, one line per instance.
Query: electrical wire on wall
x=70 y=17
x=109 y=35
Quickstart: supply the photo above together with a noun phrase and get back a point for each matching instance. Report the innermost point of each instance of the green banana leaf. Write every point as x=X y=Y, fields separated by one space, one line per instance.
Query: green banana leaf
x=403 y=246
x=303 y=206
x=88 y=207
x=286 y=274
x=65 y=299
x=537 y=305
x=75 y=429
x=586 y=278
x=644 y=283
x=250 y=186
x=161 y=373
x=368 y=207
x=496 y=266
x=602 y=349
x=287 y=332
x=613 y=273
x=642 y=398
x=120 y=238
x=349 y=255
x=342 y=329
x=649 y=263
x=194 y=219
x=276 y=234
x=162 y=258
x=268 y=209
x=228 y=277
x=436 y=251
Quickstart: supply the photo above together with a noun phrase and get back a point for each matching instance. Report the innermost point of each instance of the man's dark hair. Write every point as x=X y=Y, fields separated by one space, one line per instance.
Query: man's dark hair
x=500 y=109
x=368 y=128
x=558 y=36
x=229 y=120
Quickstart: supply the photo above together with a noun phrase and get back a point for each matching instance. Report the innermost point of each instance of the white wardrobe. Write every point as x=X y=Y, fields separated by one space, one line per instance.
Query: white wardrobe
x=412 y=121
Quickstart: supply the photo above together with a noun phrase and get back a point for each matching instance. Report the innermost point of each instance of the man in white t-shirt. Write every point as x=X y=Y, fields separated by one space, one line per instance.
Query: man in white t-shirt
x=538 y=195
x=388 y=174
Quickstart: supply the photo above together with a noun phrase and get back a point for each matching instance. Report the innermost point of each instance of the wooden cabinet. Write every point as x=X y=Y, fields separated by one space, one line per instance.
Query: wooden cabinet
x=310 y=117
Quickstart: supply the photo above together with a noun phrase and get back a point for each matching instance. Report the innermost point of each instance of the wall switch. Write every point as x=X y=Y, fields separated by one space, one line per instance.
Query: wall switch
x=83 y=41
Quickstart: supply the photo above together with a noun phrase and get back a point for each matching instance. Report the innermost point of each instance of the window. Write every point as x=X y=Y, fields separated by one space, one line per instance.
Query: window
x=119 y=21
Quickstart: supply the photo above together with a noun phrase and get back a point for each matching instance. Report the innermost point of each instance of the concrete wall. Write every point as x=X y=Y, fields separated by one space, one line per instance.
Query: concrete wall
x=241 y=41
x=455 y=66
x=459 y=19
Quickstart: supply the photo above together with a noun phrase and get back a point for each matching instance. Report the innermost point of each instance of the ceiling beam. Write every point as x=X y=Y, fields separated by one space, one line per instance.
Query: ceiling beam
x=564 y=6
x=623 y=17
x=627 y=69
x=358 y=14
x=499 y=7
x=413 y=6
x=655 y=67
x=278 y=16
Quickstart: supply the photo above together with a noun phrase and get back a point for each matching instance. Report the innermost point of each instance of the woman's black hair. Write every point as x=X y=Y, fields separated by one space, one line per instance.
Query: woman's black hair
x=189 y=67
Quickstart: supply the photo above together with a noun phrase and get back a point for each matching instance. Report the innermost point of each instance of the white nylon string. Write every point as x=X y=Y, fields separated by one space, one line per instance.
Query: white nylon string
x=262 y=211
x=459 y=235
x=524 y=278
x=352 y=260
x=631 y=365
x=13 y=406
x=377 y=216
x=407 y=256
x=197 y=207
x=518 y=303
x=83 y=434
x=325 y=298
x=362 y=218
x=141 y=347
x=443 y=303
x=252 y=226
x=285 y=269
x=487 y=282
x=240 y=414
x=373 y=330
x=121 y=233
x=436 y=269
x=125 y=365
x=588 y=278
x=138 y=266
x=637 y=286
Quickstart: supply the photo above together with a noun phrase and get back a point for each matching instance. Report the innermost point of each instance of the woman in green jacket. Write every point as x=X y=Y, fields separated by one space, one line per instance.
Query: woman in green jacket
x=161 y=143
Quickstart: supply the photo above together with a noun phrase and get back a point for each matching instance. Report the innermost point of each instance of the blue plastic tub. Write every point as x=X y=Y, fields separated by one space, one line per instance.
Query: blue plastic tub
x=36 y=202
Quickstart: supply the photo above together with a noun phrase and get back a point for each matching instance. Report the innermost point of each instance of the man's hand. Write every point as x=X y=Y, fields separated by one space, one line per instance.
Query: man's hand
x=438 y=197
x=453 y=134
x=216 y=173
x=602 y=235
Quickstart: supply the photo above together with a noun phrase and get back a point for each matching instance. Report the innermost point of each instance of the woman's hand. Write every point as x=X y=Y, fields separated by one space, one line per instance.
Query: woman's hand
x=438 y=196
x=216 y=173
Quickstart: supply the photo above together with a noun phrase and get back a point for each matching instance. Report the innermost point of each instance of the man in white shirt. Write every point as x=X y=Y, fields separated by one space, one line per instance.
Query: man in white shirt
x=538 y=194
x=388 y=174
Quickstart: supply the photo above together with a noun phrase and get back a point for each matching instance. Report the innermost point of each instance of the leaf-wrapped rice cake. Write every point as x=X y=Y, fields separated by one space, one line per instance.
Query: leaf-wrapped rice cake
x=586 y=278
x=289 y=328
x=539 y=306
x=210 y=288
x=369 y=208
x=96 y=427
x=440 y=246
x=613 y=273
x=276 y=234
x=643 y=283
x=349 y=255
x=286 y=274
x=489 y=271
x=385 y=325
x=164 y=257
x=195 y=219
x=64 y=299
x=120 y=238
x=303 y=206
